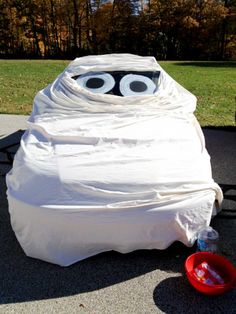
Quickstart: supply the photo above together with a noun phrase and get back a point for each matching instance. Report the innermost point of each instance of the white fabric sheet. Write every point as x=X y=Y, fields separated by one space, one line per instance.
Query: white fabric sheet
x=99 y=172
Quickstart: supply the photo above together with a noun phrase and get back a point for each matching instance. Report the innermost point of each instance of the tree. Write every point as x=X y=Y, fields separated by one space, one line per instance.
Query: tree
x=167 y=29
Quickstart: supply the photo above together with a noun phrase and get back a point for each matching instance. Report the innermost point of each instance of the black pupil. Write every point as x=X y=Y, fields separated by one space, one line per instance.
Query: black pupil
x=137 y=86
x=94 y=82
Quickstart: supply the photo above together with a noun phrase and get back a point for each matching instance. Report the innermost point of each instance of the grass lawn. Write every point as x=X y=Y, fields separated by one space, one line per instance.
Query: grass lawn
x=214 y=84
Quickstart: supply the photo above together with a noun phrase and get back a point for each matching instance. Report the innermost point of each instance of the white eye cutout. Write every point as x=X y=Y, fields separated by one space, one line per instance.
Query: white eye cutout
x=96 y=82
x=135 y=85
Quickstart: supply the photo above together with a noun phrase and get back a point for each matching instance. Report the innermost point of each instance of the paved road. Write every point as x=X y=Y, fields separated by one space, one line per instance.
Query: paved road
x=139 y=282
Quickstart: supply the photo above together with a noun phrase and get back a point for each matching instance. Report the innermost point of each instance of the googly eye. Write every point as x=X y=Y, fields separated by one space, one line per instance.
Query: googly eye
x=96 y=82
x=134 y=85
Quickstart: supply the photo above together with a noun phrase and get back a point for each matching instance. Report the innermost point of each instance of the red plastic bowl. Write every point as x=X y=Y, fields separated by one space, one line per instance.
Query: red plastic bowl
x=224 y=267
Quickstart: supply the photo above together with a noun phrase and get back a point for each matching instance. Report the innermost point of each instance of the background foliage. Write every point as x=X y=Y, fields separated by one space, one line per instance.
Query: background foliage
x=167 y=29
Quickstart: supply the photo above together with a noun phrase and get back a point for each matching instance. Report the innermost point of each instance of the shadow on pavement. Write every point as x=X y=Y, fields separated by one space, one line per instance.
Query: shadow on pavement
x=176 y=295
x=208 y=64
x=221 y=145
x=8 y=147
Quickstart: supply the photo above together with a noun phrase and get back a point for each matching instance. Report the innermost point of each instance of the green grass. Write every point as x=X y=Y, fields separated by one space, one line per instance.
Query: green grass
x=214 y=84
x=20 y=80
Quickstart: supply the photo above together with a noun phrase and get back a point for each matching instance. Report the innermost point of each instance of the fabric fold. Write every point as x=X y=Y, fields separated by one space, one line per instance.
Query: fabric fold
x=100 y=172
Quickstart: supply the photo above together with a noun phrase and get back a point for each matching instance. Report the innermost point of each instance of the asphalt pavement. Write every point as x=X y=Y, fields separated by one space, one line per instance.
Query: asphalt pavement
x=146 y=281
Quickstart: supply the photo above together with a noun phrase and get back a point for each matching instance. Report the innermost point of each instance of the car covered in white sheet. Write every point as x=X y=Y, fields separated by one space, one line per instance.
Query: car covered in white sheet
x=113 y=159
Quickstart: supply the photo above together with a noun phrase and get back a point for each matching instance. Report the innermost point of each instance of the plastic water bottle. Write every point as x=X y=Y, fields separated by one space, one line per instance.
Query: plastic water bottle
x=207 y=240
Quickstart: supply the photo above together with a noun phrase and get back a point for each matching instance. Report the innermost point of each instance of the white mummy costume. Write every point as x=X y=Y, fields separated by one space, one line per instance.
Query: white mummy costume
x=113 y=159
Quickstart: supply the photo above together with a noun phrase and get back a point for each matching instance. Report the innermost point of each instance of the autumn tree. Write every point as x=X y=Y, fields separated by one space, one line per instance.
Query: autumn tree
x=167 y=29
